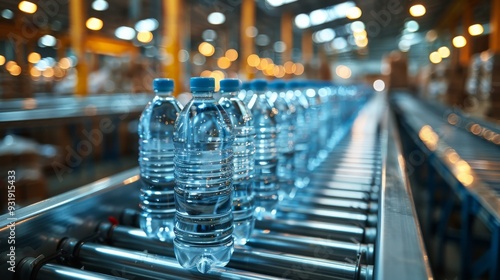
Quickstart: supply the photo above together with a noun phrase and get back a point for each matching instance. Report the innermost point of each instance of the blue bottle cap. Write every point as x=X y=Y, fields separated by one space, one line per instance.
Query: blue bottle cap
x=277 y=85
x=230 y=85
x=202 y=84
x=163 y=85
x=258 y=84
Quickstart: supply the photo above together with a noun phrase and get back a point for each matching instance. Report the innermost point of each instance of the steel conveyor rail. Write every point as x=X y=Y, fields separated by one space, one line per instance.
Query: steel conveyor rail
x=339 y=227
x=465 y=154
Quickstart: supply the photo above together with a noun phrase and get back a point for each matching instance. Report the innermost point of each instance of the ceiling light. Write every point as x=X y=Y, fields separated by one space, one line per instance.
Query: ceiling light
x=216 y=18
x=299 y=69
x=262 y=40
x=7 y=14
x=2 y=60
x=94 y=23
x=378 y=85
x=277 y=3
x=476 y=29
x=144 y=37
x=125 y=33
x=100 y=5
x=279 y=46
x=47 y=41
x=253 y=60
x=404 y=45
x=231 y=54
x=459 y=41
x=318 y=17
x=353 y=13
x=251 y=31
x=302 y=21
x=339 y=43
x=34 y=57
x=412 y=26
x=343 y=72
x=357 y=26
x=444 y=52
x=64 y=63
x=417 y=10
x=324 y=35
x=15 y=70
x=206 y=49
x=431 y=35
x=149 y=24
x=209 y=35
x=223 y=62
x=321 y=16
x=435 y=58
x=27 y=7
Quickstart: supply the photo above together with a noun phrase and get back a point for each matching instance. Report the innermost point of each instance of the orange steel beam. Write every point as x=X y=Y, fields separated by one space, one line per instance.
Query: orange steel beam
x=307 y=46
x=287 y=35
x=247 y=43
x=495 y=26
x=77 y=38
x=108 y=46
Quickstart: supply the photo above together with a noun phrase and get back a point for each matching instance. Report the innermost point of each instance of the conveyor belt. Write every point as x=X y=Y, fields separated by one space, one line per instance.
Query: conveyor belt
x=465 y=153
x=354 y=221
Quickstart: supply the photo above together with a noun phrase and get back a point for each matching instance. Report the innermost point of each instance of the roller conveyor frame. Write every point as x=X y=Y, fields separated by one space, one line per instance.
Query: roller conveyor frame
x=70 y=223
x=457 y=163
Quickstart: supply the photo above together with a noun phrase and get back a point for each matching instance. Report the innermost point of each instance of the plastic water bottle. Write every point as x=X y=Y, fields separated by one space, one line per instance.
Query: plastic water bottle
x=301 y=157
x=244 y=151
x=203 y=164
x=156 y=154
x=265 y=184
x=285 y=142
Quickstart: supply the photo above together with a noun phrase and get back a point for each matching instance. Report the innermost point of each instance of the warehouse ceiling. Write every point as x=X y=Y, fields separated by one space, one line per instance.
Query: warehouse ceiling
x=384 y=21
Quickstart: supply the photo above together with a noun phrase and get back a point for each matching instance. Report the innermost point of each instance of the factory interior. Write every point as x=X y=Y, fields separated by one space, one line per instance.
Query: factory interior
x=400 y=174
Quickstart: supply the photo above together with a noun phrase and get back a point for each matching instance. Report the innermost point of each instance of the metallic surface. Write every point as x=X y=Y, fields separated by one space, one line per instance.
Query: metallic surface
x=316 y=241
x=400 y=248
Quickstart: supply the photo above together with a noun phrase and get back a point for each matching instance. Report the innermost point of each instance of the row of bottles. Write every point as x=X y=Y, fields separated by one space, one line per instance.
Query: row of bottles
x=211 y=167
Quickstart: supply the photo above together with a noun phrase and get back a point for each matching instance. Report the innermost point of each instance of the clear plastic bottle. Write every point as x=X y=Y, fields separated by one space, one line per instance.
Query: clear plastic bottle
x=156 y=154
x=301 y=157
x=286 y=121
x=265 y=183
x=203 y=163
x=244 y=152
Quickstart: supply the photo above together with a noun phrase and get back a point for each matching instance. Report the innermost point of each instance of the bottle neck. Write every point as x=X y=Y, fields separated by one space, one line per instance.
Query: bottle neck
x=163 y=94
x=229 y=93
x=203 y=94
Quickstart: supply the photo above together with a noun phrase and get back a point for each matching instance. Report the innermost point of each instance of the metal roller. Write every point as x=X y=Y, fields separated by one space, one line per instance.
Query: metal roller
x=350 y=186
x=320 y=229
x=344 y=194
x=133 y=238
x=53 y=271
x=246 y=263
x=108 y=259
x=333 y=203
x=327 y=215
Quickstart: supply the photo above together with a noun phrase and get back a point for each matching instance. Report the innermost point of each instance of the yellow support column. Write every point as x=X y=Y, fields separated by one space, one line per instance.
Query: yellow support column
x=307 y=47
x=77 y=15
x=247 y=43
x=287 y=35
x=173 y=36
x=495 y=27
